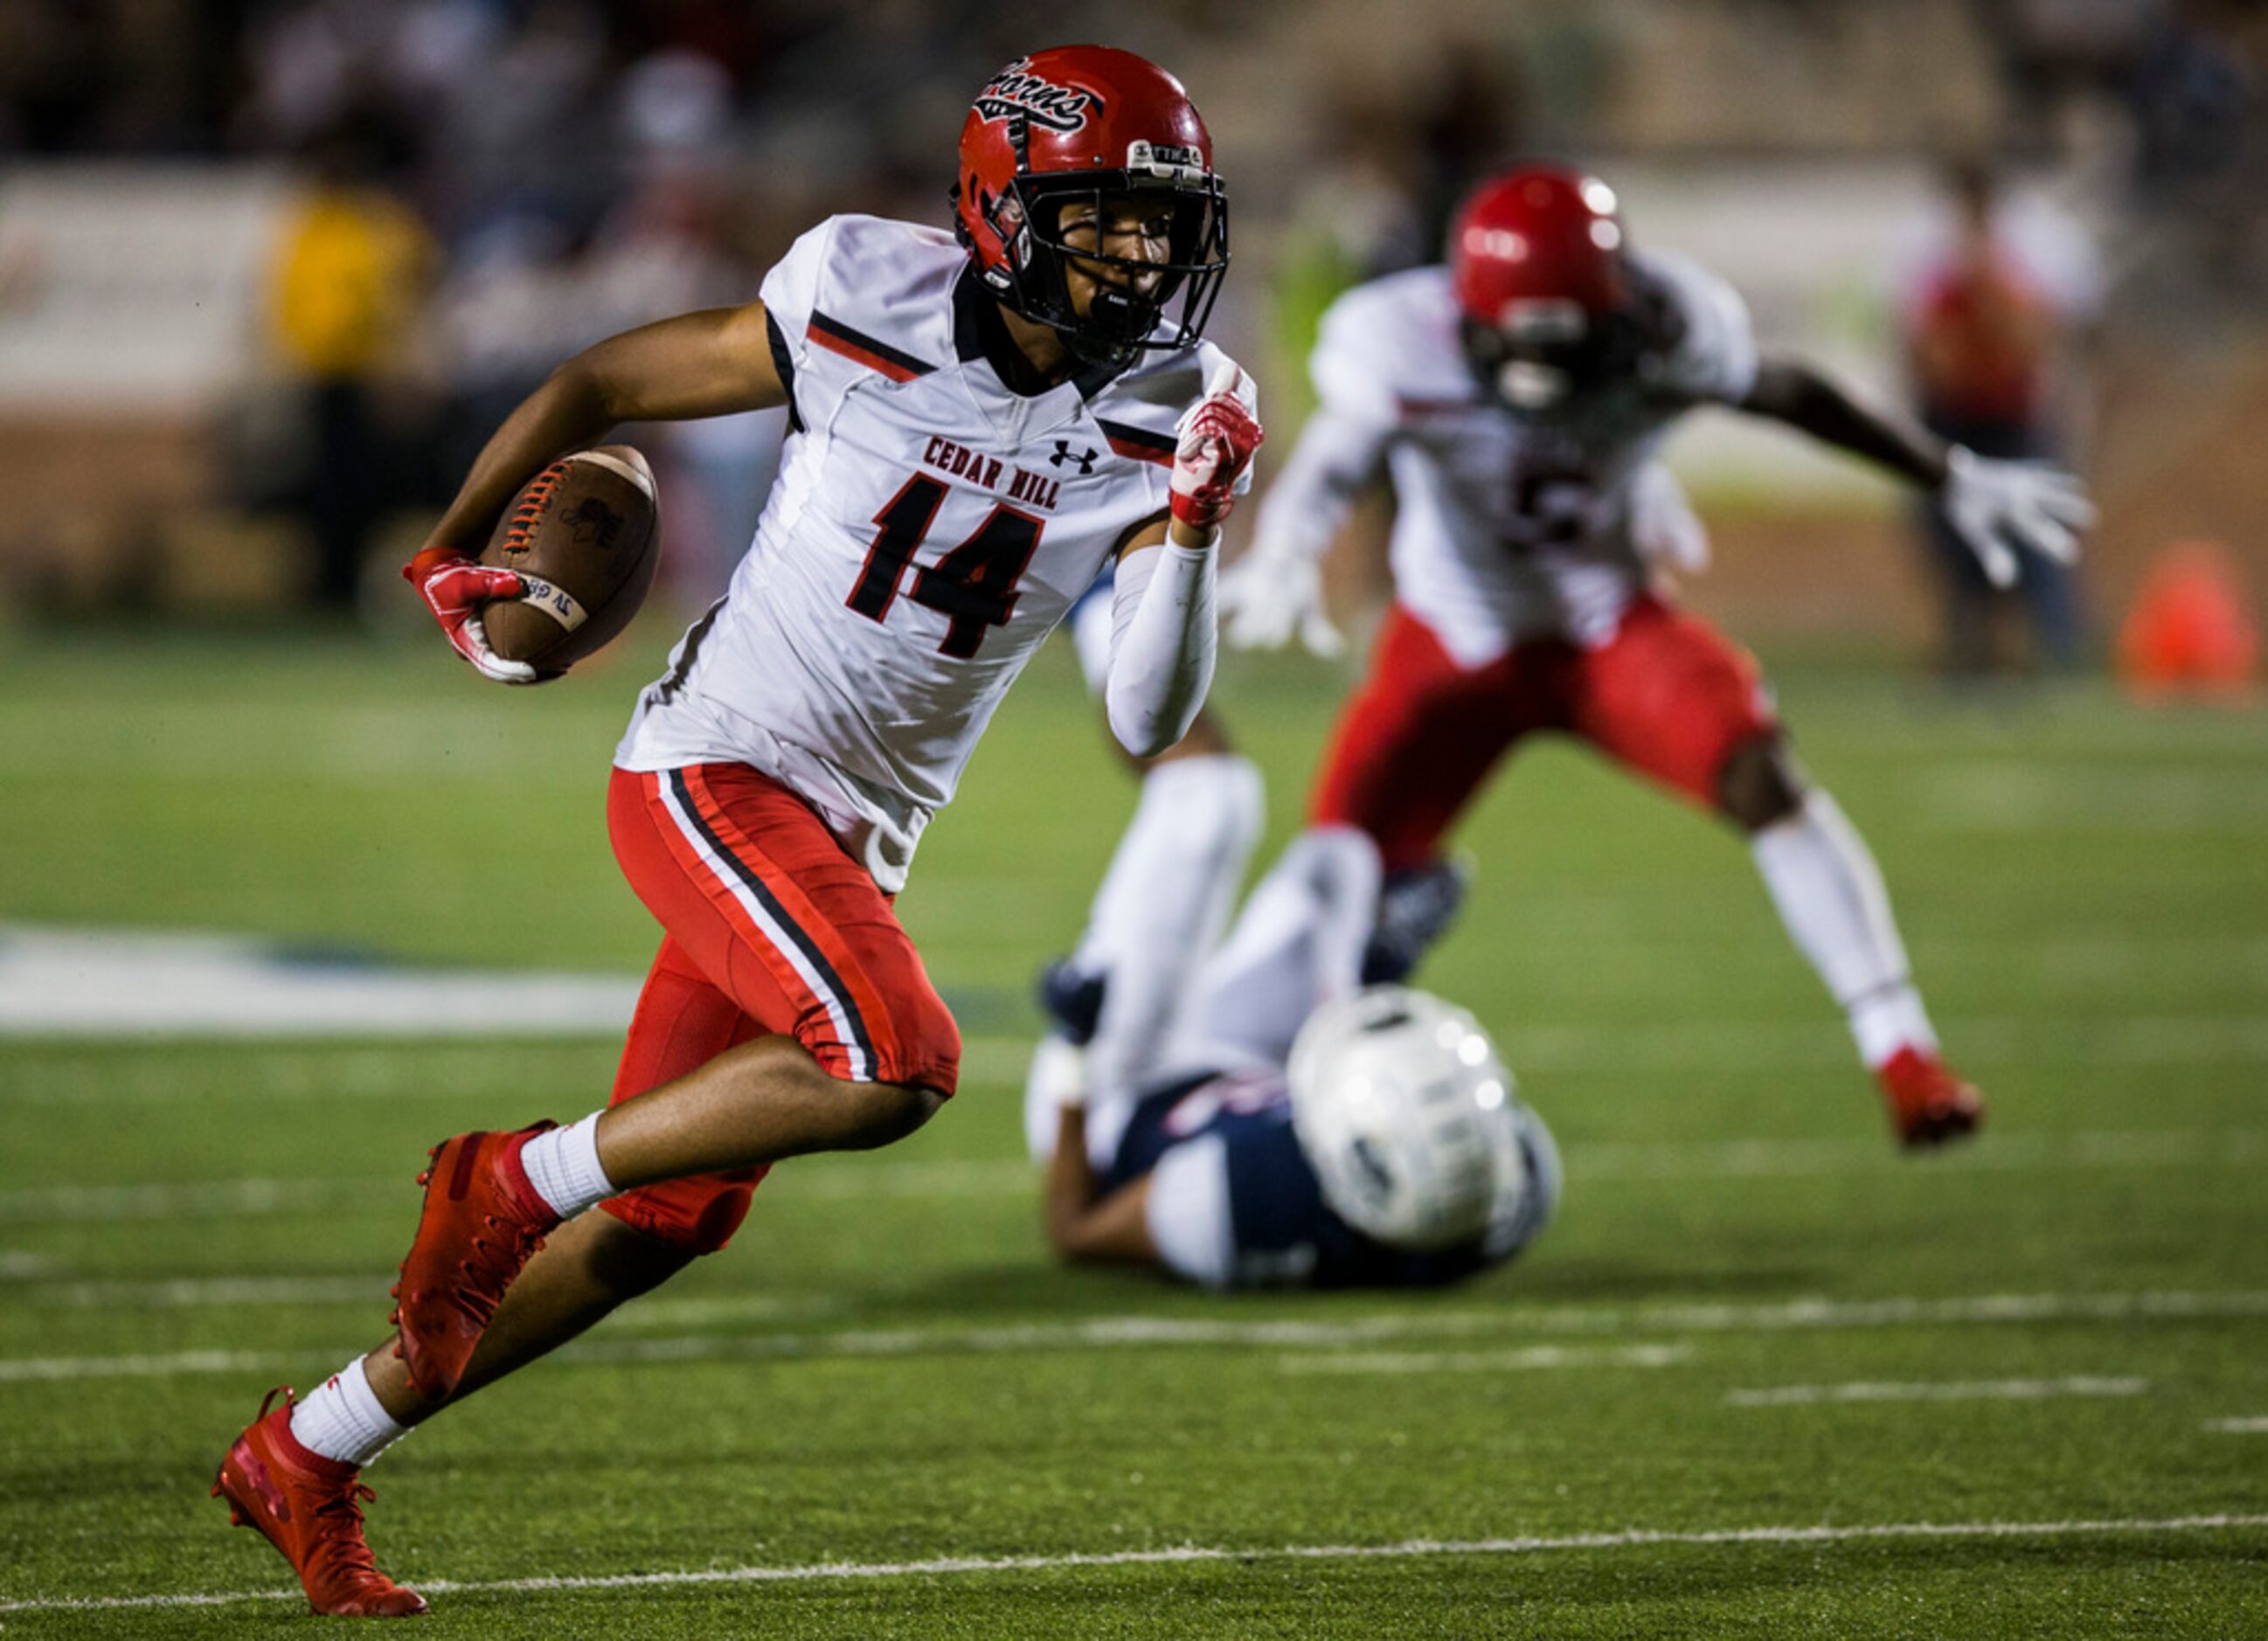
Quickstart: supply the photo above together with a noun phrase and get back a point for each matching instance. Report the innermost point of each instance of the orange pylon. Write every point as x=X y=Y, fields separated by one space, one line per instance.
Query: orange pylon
x=2189 y=630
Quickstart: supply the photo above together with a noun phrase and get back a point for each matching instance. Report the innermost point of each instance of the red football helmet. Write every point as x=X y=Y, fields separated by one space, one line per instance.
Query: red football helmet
x=1535 y=258
x=1080 y=122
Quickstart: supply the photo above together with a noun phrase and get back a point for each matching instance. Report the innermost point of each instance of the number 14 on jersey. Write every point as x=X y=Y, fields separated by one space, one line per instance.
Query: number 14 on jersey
x=975 y=585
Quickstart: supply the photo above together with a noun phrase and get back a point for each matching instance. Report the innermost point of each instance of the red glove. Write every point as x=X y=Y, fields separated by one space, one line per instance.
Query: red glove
x=454 y=588
x=1218 y=437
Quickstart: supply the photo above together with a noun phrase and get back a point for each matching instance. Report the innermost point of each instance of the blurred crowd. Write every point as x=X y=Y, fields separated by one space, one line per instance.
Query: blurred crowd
x=487 y=185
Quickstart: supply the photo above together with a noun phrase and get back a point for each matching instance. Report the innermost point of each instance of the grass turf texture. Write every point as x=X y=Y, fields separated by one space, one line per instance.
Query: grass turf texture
x=885 y=1370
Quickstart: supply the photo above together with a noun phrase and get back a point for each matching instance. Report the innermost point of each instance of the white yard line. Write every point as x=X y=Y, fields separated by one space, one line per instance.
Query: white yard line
x=1588 y=1162
x=1533 y=1356
x=2002 y=798
x=1136 y=1332
x=2256 y=1426
x=1954 y=1390
x=1406 y=1549
x=1617 y=1160
x=218 y=1293
x=78 y=1074
x=1706 y=1045
x=213 y=1199
x=105 y=985
x=48 y=1370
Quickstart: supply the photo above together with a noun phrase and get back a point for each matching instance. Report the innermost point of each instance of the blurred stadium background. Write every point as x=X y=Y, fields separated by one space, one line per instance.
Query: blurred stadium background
x=269 y=272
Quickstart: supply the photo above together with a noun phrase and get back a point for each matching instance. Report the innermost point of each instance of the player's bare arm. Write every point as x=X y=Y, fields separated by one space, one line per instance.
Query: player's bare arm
x=1794 y=392
x=1998 y=506
x=1084 y=1223
x=712 y=363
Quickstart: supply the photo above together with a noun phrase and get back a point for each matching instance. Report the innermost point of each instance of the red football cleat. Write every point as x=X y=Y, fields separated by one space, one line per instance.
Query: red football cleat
x=310 y=1508
x=1929 y=1104
x=483 y=1223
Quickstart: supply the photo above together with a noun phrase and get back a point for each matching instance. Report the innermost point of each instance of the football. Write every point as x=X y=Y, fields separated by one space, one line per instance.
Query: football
x=584 y=535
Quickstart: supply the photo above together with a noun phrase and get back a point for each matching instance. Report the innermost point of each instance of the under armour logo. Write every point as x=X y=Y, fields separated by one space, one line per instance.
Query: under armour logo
x=1085 y=457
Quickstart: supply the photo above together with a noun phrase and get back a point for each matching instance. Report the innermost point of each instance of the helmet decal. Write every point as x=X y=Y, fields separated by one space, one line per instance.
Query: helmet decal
x=1166 y=159
x=1095 y=129
x=1015 y=89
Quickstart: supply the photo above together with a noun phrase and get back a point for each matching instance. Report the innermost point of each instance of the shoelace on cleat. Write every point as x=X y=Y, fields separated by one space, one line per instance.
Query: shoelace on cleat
x=339 y=1531
x=472 y=1296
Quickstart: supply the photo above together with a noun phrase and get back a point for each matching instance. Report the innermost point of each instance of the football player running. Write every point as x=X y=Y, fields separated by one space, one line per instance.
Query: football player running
x=1517 y=398
x=980 y=420
x=1290 y=1129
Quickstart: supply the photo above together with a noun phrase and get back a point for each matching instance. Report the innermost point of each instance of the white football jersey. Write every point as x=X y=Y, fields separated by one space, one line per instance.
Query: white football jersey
x=1503 y=529
x=928 y=529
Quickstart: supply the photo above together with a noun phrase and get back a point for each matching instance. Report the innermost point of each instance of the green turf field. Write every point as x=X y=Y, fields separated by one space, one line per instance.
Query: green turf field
x=1764 y=1377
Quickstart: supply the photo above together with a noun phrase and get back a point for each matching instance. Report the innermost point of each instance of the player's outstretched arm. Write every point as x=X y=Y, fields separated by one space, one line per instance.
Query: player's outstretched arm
x=1084 y=1223
x=1161 y=609
x=1996 y=506
x=1791 y=391
x=711 y=362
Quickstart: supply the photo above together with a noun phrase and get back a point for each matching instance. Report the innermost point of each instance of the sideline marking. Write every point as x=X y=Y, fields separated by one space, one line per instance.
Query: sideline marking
x=1137 y=1332
x=1955 y=1390
x=112 y=985
x=1635 y=1538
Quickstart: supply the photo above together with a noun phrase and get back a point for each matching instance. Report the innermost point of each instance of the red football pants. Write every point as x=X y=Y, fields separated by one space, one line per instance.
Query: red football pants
x=1667 y=696
x=770 y=928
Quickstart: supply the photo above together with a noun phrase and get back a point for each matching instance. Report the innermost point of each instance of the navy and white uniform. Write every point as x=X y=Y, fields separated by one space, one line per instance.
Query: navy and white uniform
x=1233 y=1202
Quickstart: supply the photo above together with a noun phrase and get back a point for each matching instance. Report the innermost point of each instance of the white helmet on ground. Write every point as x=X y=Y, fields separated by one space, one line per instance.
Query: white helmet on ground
x=1411 y=1120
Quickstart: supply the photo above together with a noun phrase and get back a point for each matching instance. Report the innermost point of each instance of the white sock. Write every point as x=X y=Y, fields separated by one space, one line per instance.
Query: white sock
x=343 y=1418
x=1831 y=896
x=1163 y=904
x=563 y=1165
x=1298 y=943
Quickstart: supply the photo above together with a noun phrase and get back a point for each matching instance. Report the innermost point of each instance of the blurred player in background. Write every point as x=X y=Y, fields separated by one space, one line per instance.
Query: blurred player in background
x=981 y=421
x=1988 y=311
x=1287 y=1128
x=1518 y=398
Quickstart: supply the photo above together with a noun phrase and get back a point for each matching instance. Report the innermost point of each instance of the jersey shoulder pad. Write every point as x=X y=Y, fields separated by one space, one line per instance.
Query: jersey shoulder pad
x=1172 y=382
x=1142 y=407
x=1714 y=356
x=1390 y=344
x=867 y=295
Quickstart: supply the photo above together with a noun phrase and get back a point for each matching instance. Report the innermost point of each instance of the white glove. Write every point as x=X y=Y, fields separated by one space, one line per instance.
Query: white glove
x=1264 y=598
x=2030 y=503
x=1662 y=524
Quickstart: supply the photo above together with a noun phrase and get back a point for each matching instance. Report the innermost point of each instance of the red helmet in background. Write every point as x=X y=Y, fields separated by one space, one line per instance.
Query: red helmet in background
x=1083 y=122
x=1543 y=234
x=1535 y=258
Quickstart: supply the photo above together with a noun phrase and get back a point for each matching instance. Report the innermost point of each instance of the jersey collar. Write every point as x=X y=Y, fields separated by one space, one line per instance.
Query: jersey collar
x=979 y=334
